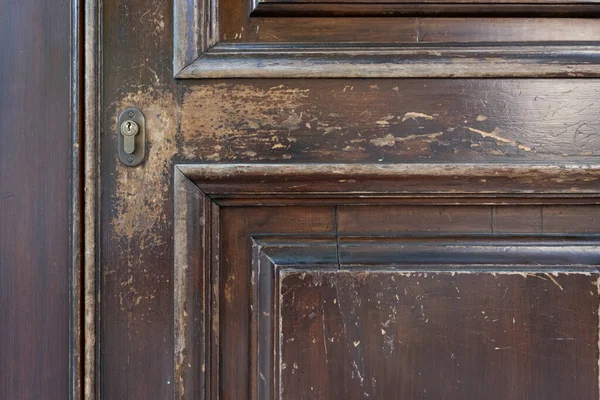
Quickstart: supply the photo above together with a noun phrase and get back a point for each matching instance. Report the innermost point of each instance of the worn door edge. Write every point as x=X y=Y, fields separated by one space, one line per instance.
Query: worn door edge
x=76 y=216
x=86 y=164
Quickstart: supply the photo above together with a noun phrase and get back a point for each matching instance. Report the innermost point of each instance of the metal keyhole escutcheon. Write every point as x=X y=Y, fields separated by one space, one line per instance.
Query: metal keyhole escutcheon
x=131 y=140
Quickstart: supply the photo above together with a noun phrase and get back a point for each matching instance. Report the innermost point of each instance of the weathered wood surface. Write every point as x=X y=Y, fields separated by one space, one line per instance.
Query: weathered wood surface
x=395 y=335
x=389 y=120
x=297 y=121
x=231 y=39
x=259 y=247
x=391 y=180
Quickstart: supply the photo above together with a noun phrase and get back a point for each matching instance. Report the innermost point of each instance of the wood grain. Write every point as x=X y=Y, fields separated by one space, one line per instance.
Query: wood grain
x=389 y=180
x=238 y=224
x=357 y=334
x=245 y=340
x=35 y=194
x=295 y=121
x=217 y=39
x=390 y=220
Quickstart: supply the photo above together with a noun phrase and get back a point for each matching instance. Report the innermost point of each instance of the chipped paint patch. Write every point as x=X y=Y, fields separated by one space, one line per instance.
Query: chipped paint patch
x=496 y=135
x=391 y=140
x=237 y=117
x=416 y=115
x=223 y=109
x=388 y=140
x=426 y=138
x=141 y=212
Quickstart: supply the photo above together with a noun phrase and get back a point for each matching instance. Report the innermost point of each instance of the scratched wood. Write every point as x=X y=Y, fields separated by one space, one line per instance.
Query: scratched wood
x=236 y=258
x=277 y=265
x=231 y=39
x=394 y=335
x=390 y=121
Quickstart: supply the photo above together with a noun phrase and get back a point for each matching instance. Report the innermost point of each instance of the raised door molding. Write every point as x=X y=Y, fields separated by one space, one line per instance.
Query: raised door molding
x=201 y=192
x=291 y=39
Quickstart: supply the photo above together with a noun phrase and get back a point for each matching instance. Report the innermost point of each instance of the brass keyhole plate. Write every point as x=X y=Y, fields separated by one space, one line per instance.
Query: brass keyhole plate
x=131 y=137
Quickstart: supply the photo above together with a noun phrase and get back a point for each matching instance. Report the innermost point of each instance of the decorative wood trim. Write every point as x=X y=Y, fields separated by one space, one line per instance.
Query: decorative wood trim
x=429 y=9
x=196 y=265
x=199 y=53
x=274 y=256
x=77 y=216
x=92 y=114
x=194 y=257
x=423 y=61
x=394 y=181
x=200 y=191
x=270 y=255
x=196 y=30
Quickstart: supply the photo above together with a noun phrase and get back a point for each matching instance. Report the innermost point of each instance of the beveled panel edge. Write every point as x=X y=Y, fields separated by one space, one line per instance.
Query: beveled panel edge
x=273 y=257
x=270 y=254
x=517 y=252
x=196 y=29
x=195 y=333
x=393 y=181
x=375 y=61
x=198 y=54
x=428 y=9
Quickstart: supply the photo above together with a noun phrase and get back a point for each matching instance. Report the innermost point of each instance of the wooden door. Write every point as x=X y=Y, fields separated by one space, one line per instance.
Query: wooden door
x=423 y=226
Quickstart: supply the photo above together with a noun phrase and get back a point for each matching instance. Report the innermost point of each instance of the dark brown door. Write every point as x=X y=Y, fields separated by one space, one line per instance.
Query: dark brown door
x=37 y=113
x=355 y=200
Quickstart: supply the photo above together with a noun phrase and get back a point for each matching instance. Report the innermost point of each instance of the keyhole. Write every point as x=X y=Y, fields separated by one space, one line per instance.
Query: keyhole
x=129 y=128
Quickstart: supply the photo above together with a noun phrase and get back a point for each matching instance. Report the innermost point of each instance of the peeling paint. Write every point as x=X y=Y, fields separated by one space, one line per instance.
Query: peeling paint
x=416 y=115
x=229 y=115
x=496 y=135
x=391 y=140
x=555 y=282
x=388 y=140
x=141 y=212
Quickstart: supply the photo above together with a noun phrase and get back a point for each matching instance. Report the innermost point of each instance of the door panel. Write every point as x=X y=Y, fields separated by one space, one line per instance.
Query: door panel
x=281 y=39
x=380 y=121
x=413 y=335
x=291 y=301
